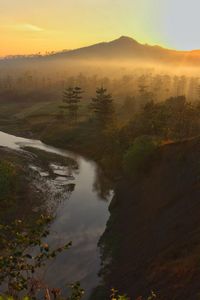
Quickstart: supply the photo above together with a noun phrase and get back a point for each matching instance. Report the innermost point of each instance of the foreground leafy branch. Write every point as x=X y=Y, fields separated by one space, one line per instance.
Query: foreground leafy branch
x=18 y=264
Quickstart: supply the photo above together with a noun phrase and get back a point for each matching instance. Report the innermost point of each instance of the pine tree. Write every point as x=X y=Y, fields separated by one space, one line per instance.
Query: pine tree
x=145 y=95
x=102 y=105
x=72 y=97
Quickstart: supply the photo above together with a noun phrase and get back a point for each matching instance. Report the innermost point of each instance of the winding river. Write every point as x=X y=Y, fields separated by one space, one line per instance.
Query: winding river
x=80 y=218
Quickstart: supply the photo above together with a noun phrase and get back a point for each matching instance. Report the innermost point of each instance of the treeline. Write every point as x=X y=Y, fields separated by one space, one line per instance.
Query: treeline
x=141 y=85
x=114 y=141
x=158 y=123
x=174 y=118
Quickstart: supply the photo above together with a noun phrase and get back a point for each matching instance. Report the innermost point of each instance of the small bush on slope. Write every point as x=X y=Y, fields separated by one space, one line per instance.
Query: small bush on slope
x=139 y=153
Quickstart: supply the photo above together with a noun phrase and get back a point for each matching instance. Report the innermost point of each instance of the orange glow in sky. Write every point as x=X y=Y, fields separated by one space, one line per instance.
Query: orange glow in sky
x=37 y=26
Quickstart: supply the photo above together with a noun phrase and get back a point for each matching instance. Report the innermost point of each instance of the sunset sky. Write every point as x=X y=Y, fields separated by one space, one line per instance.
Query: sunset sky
x=31 y=26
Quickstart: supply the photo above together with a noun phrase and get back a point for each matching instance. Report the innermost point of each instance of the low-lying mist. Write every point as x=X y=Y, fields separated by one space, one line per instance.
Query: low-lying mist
x=125 y=79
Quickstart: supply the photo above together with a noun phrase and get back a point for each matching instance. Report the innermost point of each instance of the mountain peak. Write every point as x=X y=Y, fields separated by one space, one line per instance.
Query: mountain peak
x=126 y=40
x=124 y=37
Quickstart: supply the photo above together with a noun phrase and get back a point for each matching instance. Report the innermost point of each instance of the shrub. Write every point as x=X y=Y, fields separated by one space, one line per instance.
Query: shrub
x=7 y=178
x=139 y=153
x=18 y=265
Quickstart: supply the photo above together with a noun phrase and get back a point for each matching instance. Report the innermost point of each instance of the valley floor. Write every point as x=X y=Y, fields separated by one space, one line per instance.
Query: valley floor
x=152 y=240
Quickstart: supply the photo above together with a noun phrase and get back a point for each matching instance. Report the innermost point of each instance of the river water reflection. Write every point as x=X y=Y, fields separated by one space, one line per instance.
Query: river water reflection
x=80 y=218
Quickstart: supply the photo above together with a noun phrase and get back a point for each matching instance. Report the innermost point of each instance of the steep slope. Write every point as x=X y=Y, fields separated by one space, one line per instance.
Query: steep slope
x=158 y=218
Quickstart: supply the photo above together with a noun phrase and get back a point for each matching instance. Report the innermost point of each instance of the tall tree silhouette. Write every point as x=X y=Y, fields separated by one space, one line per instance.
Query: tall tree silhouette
x=145 y=95
x=72 y=97
x=102 y=105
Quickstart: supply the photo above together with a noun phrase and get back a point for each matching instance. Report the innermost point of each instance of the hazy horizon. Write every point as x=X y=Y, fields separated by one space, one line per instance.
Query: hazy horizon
x=97 y=43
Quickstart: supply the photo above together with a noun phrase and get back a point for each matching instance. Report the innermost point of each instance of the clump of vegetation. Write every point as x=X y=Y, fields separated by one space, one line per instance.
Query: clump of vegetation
x=138 y=155
x=18 y=264
x=7 y=178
